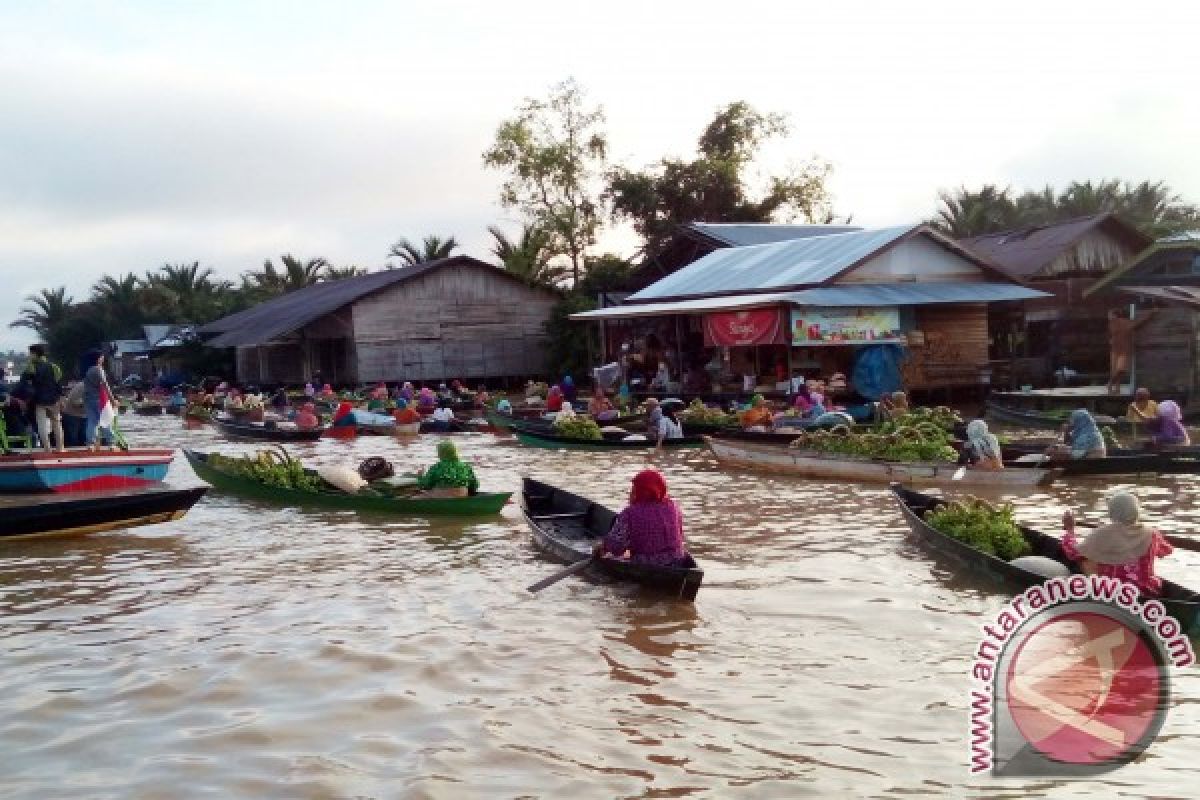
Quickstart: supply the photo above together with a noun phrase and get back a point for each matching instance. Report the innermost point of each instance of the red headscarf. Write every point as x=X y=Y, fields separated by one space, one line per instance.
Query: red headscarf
x=649 y=486
x=343 y=409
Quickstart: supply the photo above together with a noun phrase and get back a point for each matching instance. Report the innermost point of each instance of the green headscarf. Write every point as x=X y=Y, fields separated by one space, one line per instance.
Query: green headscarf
x=756 y=400
x=447 y=451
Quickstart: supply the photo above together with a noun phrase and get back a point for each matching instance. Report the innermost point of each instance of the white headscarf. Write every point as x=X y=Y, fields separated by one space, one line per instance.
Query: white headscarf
x=984 y=443
x=1122 y=541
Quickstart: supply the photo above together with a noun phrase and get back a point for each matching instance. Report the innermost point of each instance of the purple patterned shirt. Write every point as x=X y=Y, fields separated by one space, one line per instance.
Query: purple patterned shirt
x=651 y=532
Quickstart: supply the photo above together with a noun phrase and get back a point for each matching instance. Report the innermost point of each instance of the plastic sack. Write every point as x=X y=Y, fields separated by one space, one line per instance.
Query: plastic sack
x=877 y=370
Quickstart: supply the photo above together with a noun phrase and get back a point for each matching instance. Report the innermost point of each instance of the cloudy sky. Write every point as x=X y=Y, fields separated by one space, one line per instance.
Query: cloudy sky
x=138 y=133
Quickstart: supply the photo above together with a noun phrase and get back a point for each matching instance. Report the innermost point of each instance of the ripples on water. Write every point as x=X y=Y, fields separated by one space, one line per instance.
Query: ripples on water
x=252 y=651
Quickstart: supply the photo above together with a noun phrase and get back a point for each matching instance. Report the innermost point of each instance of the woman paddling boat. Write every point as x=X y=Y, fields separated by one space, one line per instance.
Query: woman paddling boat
x=1083 y=438
x=449 y=474
x=650 y=529
x=982 y=450
x=1124 y=549
x=1169 y=426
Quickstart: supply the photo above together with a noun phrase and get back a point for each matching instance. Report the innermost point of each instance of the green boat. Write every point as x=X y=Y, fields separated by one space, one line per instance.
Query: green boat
x=549 y=441
x=482 y=504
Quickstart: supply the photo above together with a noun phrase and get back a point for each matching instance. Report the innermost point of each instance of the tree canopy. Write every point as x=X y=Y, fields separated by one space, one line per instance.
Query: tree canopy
x=431 y=248
x=715 y=186
x=1154 y=208
x=553 y=153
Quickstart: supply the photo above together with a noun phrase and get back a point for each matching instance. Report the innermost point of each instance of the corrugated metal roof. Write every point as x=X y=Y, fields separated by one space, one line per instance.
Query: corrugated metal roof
x=1188 y=296
x=902 y=294
x=1145 y=262
x=1027 y=251
x=746 y=234
x=788 y=264
x=292 y=311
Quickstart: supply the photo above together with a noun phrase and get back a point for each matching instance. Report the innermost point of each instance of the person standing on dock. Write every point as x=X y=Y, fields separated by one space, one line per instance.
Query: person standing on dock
x=46 y=379
x=1121 y=331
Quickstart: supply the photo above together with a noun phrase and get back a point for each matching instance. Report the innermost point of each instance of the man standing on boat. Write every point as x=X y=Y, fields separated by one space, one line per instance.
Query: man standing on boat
x=46 y=379
x=1120 y=341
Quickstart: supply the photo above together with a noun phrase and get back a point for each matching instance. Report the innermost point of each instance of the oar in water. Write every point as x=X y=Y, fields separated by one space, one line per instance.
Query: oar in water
x=578 y=566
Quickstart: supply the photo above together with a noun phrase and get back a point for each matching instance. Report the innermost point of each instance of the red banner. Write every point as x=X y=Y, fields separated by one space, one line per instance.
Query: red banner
x=742 y=328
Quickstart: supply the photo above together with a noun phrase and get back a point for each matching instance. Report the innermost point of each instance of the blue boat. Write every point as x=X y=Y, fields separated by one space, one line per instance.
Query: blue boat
x=83 y=470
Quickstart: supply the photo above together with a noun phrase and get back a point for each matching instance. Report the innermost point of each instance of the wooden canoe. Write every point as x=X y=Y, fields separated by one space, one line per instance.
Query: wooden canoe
x=260 y=432
x=1042 y=420
x=93 y=512
x=149 y=409
x=81 y=470
x=566 y=527
x=483 y=503
x=1119 y=462
x=1181 y=603
x=550 y=441
x=811 y=464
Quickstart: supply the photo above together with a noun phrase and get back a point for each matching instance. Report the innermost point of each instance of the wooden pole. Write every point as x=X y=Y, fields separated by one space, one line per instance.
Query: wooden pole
x=1132 y=351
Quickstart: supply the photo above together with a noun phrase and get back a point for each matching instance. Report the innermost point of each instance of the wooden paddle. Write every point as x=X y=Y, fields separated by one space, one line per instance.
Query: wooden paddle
x=578 y=566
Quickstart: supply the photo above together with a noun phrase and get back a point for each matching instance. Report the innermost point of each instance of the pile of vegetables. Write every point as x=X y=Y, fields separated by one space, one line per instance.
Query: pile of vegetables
x=574 y=426
x=699 y=414
x=944 y=417
x=196 y=411
x=1110 y=438
x=922 y=442
x=270 y=467
x=537 y=389
x=981 y=525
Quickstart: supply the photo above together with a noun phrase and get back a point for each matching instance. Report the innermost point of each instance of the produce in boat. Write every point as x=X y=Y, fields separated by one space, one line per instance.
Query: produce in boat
x=977 y=523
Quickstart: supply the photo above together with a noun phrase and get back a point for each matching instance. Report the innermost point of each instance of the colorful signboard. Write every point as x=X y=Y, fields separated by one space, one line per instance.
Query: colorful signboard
x=744 y=328
x=815 y=325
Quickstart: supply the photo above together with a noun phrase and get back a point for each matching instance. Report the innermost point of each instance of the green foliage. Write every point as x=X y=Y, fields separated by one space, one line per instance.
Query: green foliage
x=269 y=467
x=553 y=152
x=714 y=186
x=943 y=417
x=432 y=248
x=977 y=523
x=44 y=311
x=449 y=474
x=1152 y=208
x=529 y=257
x=569 y=343
x=699 y=414
x=574 y=426
x=923 y=442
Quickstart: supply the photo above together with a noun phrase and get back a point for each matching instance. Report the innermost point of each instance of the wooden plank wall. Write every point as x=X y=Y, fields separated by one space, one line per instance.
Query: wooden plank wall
x=955 y=347
x=1165 y=354
x=457 y=322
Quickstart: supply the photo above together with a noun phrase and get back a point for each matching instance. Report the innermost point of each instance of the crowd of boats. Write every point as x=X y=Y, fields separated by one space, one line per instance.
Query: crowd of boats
x=82 y=490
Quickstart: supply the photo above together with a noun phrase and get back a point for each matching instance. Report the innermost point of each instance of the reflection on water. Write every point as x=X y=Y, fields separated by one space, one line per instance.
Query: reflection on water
x=248 y=650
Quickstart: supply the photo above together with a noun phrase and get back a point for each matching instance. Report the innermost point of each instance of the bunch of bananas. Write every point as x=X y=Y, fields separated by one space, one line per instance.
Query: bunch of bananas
x=269 y=467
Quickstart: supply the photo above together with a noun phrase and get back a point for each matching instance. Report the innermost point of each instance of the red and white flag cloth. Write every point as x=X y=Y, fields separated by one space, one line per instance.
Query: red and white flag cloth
x=108 y=411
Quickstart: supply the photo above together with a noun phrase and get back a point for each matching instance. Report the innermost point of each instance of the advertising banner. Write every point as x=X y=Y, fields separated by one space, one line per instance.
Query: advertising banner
x=814 y=325
x=743 y=328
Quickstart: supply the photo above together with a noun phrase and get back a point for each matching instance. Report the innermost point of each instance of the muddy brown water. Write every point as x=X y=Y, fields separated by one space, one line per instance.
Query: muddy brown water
x=252 y=651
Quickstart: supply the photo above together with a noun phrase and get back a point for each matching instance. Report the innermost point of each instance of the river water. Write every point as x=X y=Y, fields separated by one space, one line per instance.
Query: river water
x=250 y=651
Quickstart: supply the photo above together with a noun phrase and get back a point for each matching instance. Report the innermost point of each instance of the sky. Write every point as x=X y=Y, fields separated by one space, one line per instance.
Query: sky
x=134 y=134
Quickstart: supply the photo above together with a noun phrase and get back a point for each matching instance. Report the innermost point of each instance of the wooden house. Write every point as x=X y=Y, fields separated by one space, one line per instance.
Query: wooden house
x=1032 y=339
x=814 y=304
x=452 y=318
x=1163 y=285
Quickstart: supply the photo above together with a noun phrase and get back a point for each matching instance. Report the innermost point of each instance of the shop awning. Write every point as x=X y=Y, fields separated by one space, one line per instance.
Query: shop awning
x=900 y=294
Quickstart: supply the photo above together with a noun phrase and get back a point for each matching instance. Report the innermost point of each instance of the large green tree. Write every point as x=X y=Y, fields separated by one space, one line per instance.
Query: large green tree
x=528 y=257
x=715 y=186
x=44 y=311
x=553 y=154
x=119 y=301
x=291 y=274
x=1152 y=207
x=431 y=248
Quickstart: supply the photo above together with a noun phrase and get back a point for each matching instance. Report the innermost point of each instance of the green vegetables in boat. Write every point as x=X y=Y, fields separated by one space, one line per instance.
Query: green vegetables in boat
x=574 y=426
x=980 y=525
x=925 y=441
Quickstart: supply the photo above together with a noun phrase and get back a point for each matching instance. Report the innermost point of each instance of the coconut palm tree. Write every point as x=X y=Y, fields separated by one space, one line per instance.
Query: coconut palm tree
x=293 y=274
x=119 y=301
x=431 y=249
x=528 y=257
x=966 y=213
x=44 y=312
x=337 y=273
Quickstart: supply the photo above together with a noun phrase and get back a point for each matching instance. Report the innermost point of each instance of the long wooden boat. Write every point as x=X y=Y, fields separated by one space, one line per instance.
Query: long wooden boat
x=483 y=503
x=551 y=441
x=566 y=527
x=1181 y=603
x=88 y=512
x=1122 y=462
x=82 y=470
x=149 y=409
x=811 y=464
x=1042 y=420
x=260 y=432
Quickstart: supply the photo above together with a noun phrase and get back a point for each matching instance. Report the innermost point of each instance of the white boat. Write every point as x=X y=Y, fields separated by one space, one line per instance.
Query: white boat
x=812 y=464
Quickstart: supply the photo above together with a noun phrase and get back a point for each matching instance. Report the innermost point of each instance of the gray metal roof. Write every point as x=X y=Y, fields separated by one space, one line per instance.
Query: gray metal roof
x=745 y=234
x=790 y=264
x=900 y=294
x=292 y=311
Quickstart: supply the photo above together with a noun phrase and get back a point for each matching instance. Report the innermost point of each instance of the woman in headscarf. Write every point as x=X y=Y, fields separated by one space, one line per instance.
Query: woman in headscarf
x=406 y=391
x=758 y=415
x=443 y=418
x=1084 y=439
x=1143 y=409
x=554 y=400
x=599 y=405
x=309 y=391
x=650 y=529
x=426 y=400
x=982 y=450
x=306 y=418
x=344 y=416
x=1123 y=549
x=449 y=472
x=570 y=392
x=279 y=400
x=327 y=392
x=624 y=396
x=1169 y=428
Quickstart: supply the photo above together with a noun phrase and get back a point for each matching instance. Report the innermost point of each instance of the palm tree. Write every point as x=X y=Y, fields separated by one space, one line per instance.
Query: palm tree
x=528 y=258
x=965 y=213
x=337 y=273
x=431 y=249
x=120 y=302
x=295 y=274
x=44 y=312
